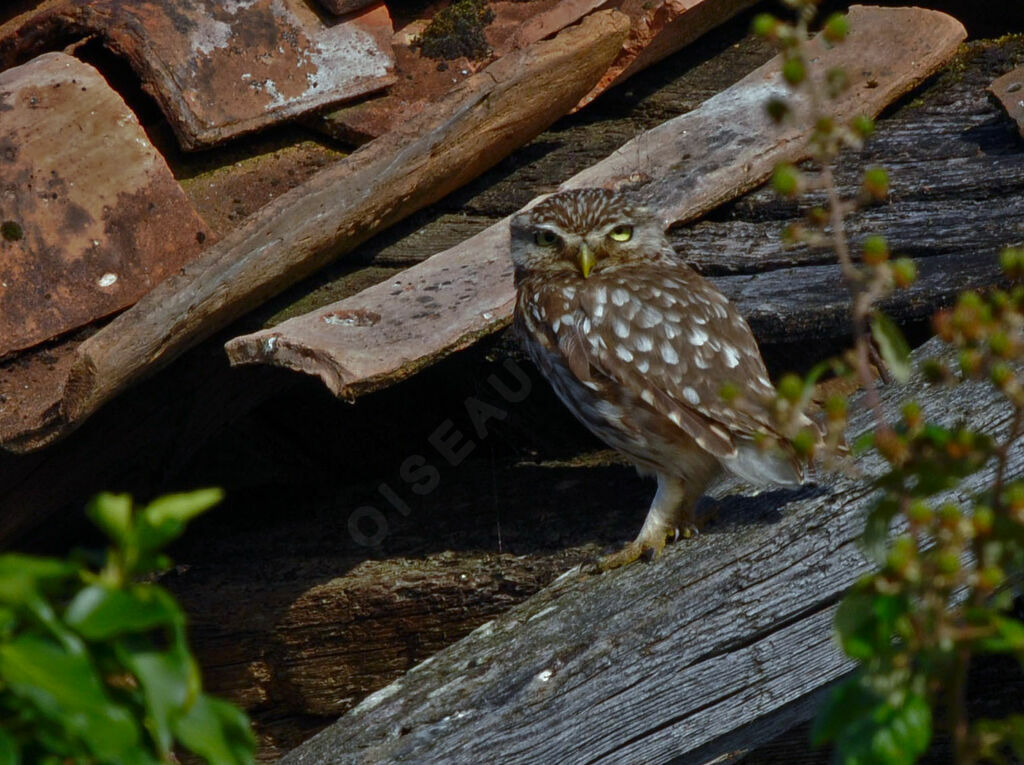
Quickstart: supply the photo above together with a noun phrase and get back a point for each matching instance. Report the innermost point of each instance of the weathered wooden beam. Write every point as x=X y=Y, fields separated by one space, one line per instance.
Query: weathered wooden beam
x=481 y=122
x=665 y=660
x=691 y=164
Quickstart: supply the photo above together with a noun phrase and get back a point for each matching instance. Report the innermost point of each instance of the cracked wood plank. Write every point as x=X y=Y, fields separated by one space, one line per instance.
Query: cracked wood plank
x=700 y=655
x=493 y=113
x=694 y=162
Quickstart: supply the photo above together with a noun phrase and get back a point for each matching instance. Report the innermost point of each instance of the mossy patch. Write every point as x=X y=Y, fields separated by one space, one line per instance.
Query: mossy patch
x=458 y=30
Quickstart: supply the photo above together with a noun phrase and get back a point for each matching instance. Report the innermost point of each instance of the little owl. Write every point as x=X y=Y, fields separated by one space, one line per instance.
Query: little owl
x=639 y=346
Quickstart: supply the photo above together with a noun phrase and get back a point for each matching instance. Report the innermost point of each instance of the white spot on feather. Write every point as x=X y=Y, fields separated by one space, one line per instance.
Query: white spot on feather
x=648 y=317
x=668 y=353
x=691 y=395
x=621 y=328
x=647 y=396
x=732 y=356
x=619 y=296
x=698 y=336
x=643 y=343
x=623 y=353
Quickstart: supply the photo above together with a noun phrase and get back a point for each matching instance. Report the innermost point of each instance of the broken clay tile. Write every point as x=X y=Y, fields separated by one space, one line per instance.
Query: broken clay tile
x=221 y=69
x=90 y=216
x=1009 y=89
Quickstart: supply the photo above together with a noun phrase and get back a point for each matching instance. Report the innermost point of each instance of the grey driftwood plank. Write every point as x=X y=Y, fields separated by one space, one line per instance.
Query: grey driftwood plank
x=440 y=149
x=658 y=661
x=691 y=164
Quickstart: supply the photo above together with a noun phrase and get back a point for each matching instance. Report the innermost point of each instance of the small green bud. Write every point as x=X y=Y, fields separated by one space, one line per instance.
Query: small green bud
x=863 y=126
x=1012 y=261
x=817 y=217
x=805 y=441
x=1001 y=374
x=904 y=272
x=970 y=362
x=837 y=27
x=791 y=388
x=793 y=70
x=949 y=515
x=999 y=344
x=912 y=414
x=902 y=553
x=920 y=513
x=876 y=250
x=764 y=25
x=729 y=391
x=786 y=180
x=947 y=562
x=876 y=183
x=990 y=578
x=836 y=407
x=983 y=520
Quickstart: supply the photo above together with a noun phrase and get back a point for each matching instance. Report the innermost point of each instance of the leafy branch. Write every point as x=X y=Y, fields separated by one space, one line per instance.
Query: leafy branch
x=941 y=593
x=94 y=662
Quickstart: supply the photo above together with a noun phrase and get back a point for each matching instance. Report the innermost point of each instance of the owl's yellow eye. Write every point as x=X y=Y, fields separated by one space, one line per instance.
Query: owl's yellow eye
x=621 y=233
x=545 y=238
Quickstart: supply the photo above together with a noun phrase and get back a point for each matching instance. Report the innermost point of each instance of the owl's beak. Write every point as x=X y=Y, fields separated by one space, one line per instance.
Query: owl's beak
x=587 y=260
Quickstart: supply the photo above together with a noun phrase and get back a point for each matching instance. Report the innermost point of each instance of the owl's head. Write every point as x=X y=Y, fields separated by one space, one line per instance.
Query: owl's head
x=583 y=232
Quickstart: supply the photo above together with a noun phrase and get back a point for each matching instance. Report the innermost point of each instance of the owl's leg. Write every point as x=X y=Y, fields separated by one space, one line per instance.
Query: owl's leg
x=670 y=517
x=668 y=511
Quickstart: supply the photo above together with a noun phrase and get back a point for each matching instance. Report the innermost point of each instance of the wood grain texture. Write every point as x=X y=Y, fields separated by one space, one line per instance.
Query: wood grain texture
x=692 y=164
x=660 y=661
x=490 y=115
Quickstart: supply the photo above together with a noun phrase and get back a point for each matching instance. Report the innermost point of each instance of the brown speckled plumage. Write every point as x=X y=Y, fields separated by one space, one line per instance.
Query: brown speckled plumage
x=639 y=350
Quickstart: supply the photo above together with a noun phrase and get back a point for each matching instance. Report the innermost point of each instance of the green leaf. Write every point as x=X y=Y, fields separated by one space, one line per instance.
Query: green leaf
x=866 y=622
x=846 y=702
x=892 y=345
x=217 y=731
x=113 y=514
x=1009 y=637
x=66 y=688
x=876 y=731
x=98 y=612
x=23 y=576
x=169 y=681
x=165 y=518
x=875 y=539
x=10 y=754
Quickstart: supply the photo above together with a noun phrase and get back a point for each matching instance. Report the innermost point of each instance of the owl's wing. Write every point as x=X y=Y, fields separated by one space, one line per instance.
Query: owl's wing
x=673 y=341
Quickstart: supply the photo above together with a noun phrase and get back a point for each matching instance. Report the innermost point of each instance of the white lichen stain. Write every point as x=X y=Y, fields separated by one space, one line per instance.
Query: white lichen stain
x=542 y=612
x=545 y=675
x=377 y=697
x=107 y=280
